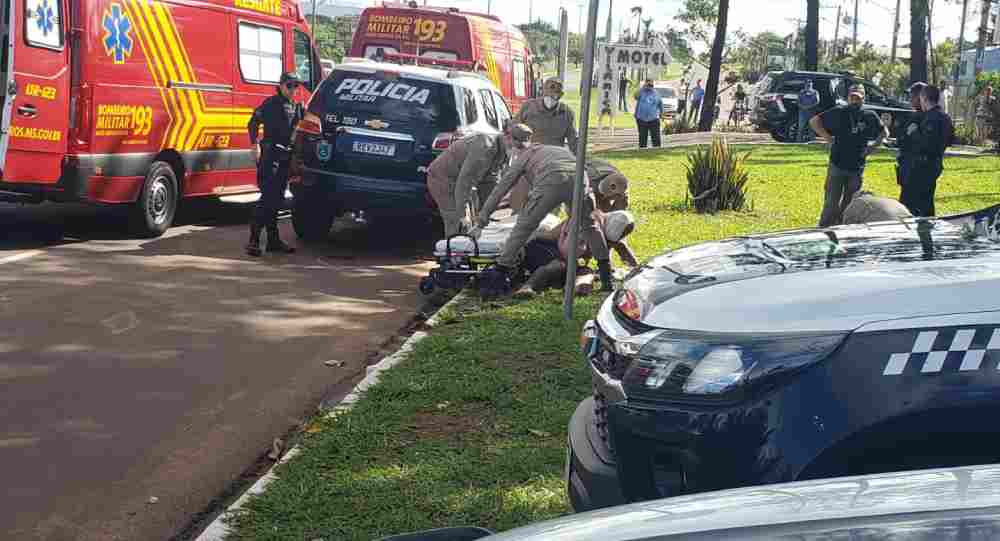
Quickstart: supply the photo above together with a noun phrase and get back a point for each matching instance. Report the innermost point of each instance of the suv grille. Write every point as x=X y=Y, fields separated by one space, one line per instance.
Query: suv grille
x=608 y=362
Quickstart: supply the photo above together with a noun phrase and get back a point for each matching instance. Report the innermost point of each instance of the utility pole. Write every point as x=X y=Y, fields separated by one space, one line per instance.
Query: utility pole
x=563 y=43
x=489 y=8
x=579 y=189
x=531 y=10
x=895 y=34
x=984 y=21
x=854 y=47
x=961 y=41
x=836 y=35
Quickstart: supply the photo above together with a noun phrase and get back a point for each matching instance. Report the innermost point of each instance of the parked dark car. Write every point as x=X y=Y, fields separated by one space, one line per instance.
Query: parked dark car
x=957 y=504
x=774 y=103
x=796 y=355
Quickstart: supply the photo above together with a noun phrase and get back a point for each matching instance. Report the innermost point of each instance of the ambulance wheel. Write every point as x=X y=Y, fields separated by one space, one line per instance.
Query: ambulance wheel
x=311 y=219
x=154 y=211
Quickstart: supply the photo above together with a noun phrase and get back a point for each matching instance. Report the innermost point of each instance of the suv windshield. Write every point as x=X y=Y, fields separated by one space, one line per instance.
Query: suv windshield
x=351 y=98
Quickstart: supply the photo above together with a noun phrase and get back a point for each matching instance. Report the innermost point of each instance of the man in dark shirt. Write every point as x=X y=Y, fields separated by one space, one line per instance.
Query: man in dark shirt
x=907 y=152
x=278 y=114
x=855 y=133
x=929 y=140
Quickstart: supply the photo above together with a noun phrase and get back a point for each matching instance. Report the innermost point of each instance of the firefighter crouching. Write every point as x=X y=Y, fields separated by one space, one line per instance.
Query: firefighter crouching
x=549 y=172
x=279 y=115
x=474 y=161
x=609 y=185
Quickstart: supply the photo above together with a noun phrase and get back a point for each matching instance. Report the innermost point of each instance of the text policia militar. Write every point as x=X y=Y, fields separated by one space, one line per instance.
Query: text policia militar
x=367 y=90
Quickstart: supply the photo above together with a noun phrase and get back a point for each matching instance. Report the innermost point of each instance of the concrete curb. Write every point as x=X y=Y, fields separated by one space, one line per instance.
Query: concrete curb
x=217 y=530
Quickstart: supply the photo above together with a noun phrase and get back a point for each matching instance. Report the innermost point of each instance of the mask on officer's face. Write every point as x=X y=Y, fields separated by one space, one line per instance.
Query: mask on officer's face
x=549 y=101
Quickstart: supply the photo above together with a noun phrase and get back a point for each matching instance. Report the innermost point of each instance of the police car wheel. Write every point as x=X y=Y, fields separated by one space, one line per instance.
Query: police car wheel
x=311 y=220
x=154 y=211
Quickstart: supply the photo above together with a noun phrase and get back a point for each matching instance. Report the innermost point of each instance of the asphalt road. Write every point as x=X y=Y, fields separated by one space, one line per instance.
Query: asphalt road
x=164 y=368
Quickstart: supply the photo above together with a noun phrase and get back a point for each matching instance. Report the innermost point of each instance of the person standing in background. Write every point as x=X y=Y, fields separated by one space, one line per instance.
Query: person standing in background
x=697 y=95
x=930 y=140
x=648 y=110
x=623 y=84
x=946 y=95
x=808 y=102
x=855 y=133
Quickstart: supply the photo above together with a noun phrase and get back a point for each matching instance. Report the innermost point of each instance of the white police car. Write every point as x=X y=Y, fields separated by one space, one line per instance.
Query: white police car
x=789 y=356
x=370 y=131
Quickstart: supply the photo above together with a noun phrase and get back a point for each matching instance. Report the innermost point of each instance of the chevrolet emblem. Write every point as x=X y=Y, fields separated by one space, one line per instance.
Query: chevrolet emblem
x=377 y=124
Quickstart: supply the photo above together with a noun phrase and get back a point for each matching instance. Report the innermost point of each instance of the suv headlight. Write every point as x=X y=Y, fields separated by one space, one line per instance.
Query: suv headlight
x=673 y=366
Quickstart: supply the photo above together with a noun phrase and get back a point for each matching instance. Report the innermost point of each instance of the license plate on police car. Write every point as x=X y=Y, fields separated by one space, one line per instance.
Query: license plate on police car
x=379 y=149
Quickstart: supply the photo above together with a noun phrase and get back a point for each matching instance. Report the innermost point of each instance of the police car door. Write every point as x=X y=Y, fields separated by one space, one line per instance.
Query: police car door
x=36 y=105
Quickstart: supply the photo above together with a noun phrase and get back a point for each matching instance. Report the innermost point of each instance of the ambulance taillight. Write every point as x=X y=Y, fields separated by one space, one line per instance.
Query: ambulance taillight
x=310 y=124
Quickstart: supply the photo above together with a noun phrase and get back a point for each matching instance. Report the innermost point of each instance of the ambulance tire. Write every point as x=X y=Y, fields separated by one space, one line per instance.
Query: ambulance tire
x=153 y=213
x=311 y=219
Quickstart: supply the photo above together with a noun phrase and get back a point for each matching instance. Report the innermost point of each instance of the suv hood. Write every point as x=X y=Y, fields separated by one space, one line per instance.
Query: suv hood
x=833 y=279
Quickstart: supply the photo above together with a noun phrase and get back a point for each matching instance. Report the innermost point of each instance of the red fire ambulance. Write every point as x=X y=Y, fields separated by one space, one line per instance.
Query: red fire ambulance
x=399 y=32
x=140 y=102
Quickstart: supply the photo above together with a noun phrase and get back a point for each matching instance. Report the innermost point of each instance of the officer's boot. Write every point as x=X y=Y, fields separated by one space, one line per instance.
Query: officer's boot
x=274 y=242
x=604 y=272
x=253 y=245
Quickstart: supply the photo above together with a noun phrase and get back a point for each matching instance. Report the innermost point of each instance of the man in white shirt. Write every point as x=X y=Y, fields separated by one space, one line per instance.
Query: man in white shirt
x=945 y=97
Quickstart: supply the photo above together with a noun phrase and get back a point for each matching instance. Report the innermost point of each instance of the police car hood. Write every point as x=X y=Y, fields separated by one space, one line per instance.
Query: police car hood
x=833 y=279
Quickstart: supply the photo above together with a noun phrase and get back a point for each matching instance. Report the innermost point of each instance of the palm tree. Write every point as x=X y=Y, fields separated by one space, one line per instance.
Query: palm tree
x=812 y=35
x=712 y=85
x=918 y=40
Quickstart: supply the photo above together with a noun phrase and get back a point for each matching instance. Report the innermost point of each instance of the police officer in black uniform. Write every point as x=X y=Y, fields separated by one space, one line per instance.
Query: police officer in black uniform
x=279 y=115
x=907 y=152
x=929 y=139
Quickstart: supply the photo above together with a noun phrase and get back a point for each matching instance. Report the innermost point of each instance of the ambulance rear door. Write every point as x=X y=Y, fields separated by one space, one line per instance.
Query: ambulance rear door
x=36 y=121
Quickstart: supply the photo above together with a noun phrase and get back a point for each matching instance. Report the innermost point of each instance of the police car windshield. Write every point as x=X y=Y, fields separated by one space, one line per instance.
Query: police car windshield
x=352 y=98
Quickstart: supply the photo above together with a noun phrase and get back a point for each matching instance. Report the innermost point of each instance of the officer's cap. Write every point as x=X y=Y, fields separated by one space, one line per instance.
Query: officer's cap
x=554 y=82
x=521 y=132
x=289 y=77
x=917 y=87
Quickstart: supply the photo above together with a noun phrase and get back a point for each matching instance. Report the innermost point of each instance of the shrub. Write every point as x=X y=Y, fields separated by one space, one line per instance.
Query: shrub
x=680 y=124
x=717 y=177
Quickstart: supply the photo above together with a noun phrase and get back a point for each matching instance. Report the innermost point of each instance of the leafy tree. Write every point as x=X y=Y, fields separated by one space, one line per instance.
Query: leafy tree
x=701 y=18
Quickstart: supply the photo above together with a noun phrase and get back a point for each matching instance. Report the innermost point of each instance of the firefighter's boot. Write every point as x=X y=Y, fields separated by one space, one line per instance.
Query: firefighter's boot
x=604 y=272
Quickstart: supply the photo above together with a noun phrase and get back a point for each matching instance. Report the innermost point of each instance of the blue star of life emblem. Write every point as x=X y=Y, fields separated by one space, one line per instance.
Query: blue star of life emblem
x=117 y=33
x=44 y=17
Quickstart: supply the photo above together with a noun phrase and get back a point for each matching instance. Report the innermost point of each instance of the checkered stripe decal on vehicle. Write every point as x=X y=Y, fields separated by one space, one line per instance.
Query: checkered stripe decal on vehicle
x=932 y=347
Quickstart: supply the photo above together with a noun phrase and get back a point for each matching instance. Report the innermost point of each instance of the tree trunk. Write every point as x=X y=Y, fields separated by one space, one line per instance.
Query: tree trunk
x=918 y=41
x=715 y=66
x=812 y=35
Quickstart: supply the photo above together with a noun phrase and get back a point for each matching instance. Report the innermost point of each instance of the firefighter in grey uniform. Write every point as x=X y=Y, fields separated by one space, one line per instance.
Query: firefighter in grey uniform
x=552 y=122
x=610 y=186
x=473 y=161
x=549 y=172
x=278 y=114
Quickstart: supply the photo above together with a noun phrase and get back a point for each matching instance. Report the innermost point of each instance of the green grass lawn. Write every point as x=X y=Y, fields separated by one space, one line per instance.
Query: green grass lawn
x=471 y=429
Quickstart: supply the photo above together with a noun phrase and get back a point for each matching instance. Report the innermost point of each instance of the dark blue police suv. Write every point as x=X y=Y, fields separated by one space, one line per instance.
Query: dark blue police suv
x=790 y=356
x=370 y=131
